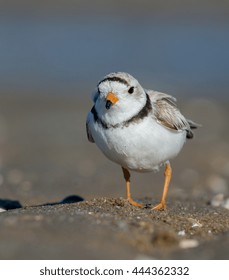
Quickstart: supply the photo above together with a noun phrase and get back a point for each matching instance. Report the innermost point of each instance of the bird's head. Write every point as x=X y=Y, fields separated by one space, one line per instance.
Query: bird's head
x=118 y=97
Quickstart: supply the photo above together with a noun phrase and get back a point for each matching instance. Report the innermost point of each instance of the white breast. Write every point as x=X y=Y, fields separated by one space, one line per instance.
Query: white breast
x=142 y=146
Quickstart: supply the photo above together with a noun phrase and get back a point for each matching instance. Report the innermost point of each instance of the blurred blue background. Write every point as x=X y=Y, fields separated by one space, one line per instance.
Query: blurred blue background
x=66 y=46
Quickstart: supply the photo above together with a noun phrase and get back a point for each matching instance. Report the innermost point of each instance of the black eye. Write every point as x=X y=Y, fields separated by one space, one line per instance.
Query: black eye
x=131 y=90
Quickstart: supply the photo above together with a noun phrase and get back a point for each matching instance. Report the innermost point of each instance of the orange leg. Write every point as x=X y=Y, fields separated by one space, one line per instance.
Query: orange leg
x=126 y=174
x=168 y=175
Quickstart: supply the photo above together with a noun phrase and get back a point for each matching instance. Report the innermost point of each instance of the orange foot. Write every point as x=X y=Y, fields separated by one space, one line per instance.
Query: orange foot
x=160 y=206
x=134 y=203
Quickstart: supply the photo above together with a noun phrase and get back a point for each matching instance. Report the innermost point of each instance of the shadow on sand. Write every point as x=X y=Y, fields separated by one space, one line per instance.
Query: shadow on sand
x=8 y=204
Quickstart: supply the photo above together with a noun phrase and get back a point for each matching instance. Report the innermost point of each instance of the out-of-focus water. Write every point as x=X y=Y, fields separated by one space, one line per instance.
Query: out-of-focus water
x=65 y=54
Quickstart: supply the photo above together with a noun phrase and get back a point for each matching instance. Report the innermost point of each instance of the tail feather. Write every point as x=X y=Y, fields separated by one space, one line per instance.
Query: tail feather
x=192 y=125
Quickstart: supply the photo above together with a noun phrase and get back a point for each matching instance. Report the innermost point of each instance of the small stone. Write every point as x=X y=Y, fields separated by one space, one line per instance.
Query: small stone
x=195 y=223
x=188 y=243
x=71 y=199
x=2 y=210
x=181 y=233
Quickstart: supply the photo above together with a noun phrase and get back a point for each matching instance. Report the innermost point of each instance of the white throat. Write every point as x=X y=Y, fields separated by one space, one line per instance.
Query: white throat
x=119 y=113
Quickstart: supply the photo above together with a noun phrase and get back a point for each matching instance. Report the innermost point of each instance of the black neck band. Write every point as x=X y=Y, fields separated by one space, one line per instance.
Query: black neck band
x=139 y=116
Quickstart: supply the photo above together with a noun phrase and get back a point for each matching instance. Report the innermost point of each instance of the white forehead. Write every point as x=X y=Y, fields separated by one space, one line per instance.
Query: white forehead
x=117 y=81
x=112 y=86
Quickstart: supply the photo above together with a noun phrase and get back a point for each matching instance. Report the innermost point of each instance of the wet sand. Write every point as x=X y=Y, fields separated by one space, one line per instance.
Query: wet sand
x=45 y=158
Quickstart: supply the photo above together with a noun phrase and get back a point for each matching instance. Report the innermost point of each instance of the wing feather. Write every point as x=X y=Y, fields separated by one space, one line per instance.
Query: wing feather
x=167 y=113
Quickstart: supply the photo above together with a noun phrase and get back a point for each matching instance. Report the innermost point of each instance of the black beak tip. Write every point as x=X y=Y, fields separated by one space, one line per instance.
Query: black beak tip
x=108 y=104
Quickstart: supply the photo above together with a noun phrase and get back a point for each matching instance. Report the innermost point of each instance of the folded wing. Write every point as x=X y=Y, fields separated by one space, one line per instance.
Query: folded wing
x=167 y=114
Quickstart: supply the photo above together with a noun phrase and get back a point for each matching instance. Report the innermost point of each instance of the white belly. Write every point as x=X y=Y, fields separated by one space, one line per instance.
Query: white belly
x=141 y=147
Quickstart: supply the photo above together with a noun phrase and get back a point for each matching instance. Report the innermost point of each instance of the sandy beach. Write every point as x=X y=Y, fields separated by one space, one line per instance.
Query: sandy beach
x=65 y=200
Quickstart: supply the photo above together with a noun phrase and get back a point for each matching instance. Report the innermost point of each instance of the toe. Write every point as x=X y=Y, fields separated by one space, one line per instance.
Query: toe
x=134 y=203
x=160 y=206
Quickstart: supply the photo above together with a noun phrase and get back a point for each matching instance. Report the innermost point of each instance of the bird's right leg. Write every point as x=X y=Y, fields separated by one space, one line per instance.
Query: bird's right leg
x=126 y=174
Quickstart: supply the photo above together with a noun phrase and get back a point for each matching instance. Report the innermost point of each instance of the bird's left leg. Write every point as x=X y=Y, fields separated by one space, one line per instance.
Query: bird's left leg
x=168 y=175
x=126 y=174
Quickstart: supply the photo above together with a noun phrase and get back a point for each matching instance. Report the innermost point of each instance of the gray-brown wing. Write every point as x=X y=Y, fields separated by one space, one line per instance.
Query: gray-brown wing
x=167 y=114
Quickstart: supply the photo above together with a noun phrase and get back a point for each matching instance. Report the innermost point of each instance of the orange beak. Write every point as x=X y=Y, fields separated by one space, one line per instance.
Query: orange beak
x=112 y=98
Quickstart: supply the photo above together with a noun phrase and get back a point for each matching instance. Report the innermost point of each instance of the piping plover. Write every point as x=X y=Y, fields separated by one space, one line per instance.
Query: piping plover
x=137 y=128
